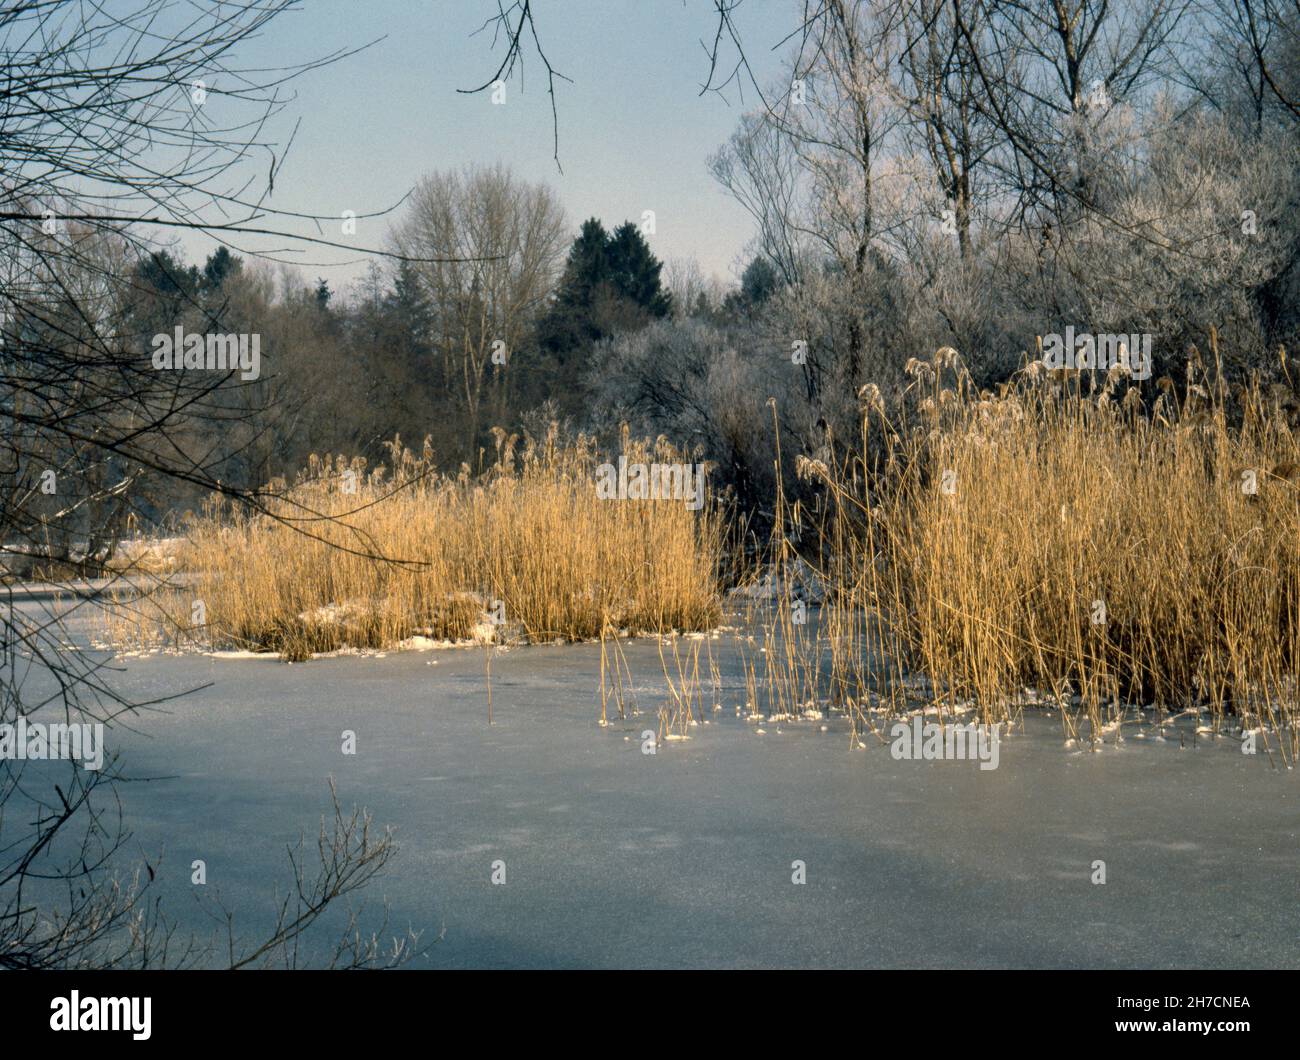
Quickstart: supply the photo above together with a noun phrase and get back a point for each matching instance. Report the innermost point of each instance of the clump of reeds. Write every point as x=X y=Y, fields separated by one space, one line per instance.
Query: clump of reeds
x=1101 y=546
x=353 y=556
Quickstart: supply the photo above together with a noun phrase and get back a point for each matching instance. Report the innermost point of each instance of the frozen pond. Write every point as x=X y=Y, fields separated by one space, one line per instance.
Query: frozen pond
x=616 y=858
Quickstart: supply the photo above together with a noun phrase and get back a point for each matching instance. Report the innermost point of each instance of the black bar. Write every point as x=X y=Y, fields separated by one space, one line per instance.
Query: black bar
x=304 y=1009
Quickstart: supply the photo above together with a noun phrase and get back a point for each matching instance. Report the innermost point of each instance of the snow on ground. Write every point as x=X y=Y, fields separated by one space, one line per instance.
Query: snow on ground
x=800 y=582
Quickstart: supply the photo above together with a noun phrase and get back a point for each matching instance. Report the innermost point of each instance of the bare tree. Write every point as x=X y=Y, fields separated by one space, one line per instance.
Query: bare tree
x=510 y=236
x=939 y=85
x=115 y=126
x=1256 y=43
x=1050 y=77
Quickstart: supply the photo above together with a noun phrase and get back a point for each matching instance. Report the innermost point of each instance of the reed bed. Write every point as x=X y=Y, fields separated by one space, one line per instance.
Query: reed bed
x=351 y=556
x=1090 y=544
x=1091 y=548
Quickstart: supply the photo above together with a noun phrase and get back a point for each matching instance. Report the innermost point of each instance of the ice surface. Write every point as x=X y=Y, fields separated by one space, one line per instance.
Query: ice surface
x=616 y=858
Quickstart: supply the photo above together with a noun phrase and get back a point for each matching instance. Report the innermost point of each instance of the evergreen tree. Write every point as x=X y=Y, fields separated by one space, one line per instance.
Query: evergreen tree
x=168 y=276
x=163 y=291
x=571 y=321
x=410 y=305
x=220 y=264
x=634 y=271
x=759 y=281
x=603 y=267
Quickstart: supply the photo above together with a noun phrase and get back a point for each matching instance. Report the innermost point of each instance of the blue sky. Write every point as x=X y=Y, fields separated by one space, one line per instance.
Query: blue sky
x=635 y=134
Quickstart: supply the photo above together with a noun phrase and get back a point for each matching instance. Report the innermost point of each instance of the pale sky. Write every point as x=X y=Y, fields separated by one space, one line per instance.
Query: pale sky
x=635 y=134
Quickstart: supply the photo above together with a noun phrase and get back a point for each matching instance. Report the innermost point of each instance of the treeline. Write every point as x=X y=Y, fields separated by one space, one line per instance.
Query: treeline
x=488 y=314
x=446 y=349
x=939 y=173
x=979 y=175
